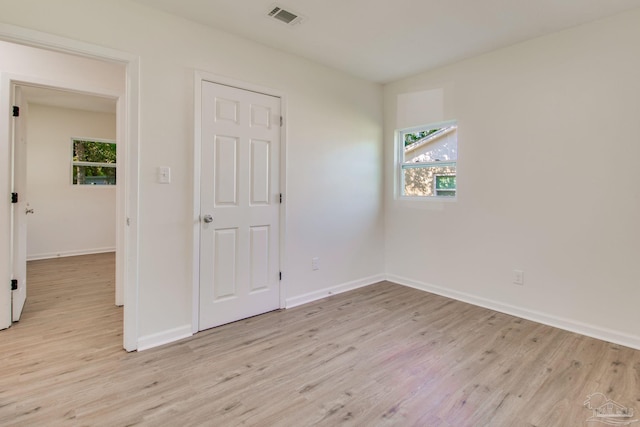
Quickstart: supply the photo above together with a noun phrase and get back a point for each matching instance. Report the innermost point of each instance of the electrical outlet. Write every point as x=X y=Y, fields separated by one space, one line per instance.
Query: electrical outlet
x=518 y=277
x=315 y=263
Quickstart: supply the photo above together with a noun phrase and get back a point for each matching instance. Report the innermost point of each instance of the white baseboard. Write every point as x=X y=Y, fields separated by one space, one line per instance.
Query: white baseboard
x=570 y=325
x=34 y=257
x=323 y=293
x=164 y=337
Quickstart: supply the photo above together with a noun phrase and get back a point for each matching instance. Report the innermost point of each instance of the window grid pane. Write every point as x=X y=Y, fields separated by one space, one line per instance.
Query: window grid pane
x=421 y=181
x=93 y=162
x=428 y=160
x=94 y=175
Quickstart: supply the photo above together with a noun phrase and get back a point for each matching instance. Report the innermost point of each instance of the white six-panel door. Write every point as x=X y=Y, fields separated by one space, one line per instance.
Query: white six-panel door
x=240 y=204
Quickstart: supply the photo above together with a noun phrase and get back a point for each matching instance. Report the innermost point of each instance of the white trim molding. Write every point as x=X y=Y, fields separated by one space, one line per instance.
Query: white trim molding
x=570 y=325
x=62 y=254
x=333 y=290
x=165 y=337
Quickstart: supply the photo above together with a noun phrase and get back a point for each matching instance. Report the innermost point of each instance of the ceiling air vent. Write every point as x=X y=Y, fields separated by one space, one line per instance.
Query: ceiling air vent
x=286 y=16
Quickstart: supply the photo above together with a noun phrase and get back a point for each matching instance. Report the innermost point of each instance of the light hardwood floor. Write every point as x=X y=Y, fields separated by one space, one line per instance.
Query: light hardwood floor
x=384 y=355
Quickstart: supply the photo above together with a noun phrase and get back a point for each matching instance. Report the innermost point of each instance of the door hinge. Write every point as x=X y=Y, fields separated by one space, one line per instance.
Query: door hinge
x=280 y=198
x=280 y=275
x=16 y=111
x=281 y=121
x=14 y=197
x=14 y=284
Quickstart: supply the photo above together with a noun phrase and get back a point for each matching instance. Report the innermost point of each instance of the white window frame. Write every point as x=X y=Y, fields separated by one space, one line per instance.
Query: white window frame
x=400 y=164
x=108 y=165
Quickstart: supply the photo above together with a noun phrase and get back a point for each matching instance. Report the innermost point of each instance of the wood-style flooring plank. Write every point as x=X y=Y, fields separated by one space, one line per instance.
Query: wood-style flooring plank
x=383 y=355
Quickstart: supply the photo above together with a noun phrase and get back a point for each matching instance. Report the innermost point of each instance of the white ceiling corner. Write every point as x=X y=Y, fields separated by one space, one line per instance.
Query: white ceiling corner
x=385 y=40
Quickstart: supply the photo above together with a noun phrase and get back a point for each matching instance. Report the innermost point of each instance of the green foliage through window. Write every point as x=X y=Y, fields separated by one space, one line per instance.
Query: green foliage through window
x=446 y=185
x=410 y=138
x=445 y=182
x=94 y=162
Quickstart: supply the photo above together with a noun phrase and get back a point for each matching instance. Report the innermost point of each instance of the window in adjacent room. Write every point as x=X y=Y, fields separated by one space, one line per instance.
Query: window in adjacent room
x=428 y=158
x=93 y=162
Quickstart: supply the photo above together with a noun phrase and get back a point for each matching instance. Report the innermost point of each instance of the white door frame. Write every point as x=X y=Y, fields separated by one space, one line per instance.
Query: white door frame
x=127 y=135
x=200 y=77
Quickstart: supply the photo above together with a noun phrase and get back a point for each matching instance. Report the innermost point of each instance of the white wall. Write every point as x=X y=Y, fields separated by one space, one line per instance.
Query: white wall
x=537 y=187
x=25 y=61
x=532 y=187
x=334 y=134
x=68 y=219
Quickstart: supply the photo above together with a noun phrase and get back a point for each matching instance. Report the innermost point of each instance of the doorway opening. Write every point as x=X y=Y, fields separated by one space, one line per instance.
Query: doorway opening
x=63 y=66
x=70 y=212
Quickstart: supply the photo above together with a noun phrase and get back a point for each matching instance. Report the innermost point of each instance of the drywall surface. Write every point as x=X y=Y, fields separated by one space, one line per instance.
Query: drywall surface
x=334 y=148
x=68 y=219
x=547 y=180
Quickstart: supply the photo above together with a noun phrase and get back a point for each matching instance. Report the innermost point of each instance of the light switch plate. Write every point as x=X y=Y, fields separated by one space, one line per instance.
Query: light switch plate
x=164 y=174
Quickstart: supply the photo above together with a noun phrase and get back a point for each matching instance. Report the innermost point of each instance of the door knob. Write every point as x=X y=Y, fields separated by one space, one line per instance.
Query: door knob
x=28 y=211
x=208 y=219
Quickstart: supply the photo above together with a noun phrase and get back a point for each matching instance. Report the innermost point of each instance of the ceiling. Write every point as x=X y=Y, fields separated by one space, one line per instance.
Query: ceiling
x=385 y=40
x=67 y=99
